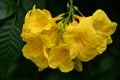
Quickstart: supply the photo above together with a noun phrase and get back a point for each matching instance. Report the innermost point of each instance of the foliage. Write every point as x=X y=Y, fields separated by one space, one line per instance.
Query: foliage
x=13 y=66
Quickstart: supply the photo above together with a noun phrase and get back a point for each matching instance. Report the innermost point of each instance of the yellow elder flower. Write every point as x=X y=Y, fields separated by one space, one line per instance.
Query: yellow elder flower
x=49 y=44
x=40 y=33
x=103 y=25
x=50 y=37
x=35 y=52
x=89 y=36
x=36 y=21
x=60 y=58
x=82 y=40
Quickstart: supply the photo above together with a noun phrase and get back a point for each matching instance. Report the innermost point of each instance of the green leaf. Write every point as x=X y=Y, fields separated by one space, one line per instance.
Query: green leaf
x=10 y=45
x=7 y=8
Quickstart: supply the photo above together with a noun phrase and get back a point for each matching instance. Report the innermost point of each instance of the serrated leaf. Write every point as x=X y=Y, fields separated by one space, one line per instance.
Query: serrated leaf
x=10 y=45
x=7 y=8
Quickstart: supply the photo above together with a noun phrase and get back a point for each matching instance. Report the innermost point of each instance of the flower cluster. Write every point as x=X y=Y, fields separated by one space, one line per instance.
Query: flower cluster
x=51 y=43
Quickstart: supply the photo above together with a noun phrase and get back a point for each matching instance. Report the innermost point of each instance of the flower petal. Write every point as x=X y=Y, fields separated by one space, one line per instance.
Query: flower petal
x=50 y=37
x=37 y=20
x=78 y=65
x=83 y=40
x=35 y=54
x=103 y=24
x=59 y=58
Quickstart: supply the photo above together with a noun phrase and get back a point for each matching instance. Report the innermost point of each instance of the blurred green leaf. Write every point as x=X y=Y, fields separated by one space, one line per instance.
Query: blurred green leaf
x=7 y=8
x=10 y=45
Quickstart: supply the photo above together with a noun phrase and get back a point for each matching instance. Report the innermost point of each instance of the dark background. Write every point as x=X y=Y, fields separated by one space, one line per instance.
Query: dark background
x=103 y=67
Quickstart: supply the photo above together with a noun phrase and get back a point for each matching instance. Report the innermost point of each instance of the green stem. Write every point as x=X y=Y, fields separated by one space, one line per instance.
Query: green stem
x=71 y=9
x=70 y=12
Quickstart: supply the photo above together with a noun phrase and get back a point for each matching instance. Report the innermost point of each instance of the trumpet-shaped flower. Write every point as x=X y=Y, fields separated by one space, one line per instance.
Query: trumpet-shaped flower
x=59 y=58
x=36 y=21
x=103 y=25
x=40 y=33
x=90 y=36
x=82 y=39
x=50 y=37
x=35 y=52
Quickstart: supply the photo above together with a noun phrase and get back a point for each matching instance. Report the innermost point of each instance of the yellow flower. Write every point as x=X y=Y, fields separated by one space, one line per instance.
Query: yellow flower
x=36 y=21
x=57 y=45
x=40 y=33
x=103 y=25
x=89 y=36
x=35 y=52
x=50 y=37
x=82 y=40
x=60 y=58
